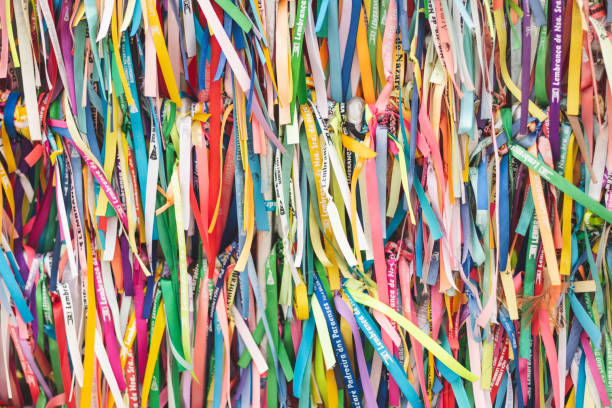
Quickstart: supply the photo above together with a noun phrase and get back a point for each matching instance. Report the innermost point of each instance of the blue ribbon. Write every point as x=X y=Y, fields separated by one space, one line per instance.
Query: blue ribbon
x=14 y=291
x=352 y=386
x=395 y=369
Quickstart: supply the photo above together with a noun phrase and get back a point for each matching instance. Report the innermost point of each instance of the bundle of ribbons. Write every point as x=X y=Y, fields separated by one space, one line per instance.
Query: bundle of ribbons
x=298 y=203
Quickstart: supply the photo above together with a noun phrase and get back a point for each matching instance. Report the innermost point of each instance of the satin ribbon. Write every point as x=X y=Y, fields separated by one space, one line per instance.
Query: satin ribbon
x=268 y=205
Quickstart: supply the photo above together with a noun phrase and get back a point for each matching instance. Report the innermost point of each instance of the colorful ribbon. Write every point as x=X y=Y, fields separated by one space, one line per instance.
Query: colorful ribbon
x=329 y=203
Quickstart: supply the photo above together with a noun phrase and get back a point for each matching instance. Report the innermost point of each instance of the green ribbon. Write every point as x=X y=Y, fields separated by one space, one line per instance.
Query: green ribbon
x=559 y=181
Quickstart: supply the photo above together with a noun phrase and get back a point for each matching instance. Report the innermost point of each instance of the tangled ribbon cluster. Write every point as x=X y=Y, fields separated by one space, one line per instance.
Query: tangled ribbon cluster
x=306 y=203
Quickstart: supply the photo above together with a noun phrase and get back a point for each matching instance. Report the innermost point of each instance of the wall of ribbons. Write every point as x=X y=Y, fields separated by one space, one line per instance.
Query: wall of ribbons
x=295 y=203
